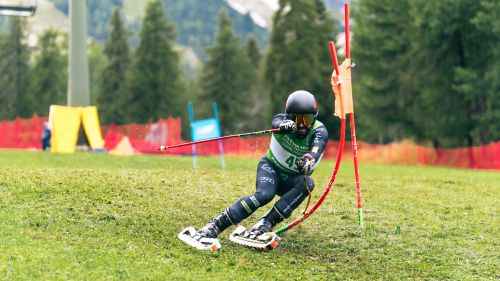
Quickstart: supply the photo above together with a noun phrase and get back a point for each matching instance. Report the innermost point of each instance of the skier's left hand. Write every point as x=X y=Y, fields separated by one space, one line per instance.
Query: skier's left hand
x=305 y=163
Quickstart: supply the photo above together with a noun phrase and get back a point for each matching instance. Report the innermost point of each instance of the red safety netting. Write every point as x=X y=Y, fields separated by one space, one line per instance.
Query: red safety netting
x=22 y=133
x=146 y=138
x=407 y=153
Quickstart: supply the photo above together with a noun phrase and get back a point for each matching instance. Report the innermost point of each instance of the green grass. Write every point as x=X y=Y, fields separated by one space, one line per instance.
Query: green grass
x=100 y=217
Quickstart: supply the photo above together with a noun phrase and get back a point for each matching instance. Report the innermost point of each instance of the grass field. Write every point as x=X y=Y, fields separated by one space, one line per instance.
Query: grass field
x=100 y=217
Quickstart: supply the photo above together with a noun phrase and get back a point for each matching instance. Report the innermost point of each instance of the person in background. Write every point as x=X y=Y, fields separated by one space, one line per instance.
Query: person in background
x=46 y=135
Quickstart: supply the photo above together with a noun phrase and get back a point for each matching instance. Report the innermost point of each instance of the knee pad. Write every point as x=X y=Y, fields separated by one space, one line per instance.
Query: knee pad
x=263 y=197
x=245 y=206
x=295 y=196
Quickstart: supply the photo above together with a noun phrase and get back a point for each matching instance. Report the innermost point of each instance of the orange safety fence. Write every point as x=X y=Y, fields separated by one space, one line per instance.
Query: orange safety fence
x=146 y=138
x=22 y=133
x=407 y=153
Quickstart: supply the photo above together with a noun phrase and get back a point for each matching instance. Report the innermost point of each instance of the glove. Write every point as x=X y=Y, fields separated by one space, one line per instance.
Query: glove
x=288 y=126
x=306 y=163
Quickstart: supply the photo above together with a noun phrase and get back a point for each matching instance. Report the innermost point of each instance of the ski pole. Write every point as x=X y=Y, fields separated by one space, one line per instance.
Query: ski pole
x=165 y=147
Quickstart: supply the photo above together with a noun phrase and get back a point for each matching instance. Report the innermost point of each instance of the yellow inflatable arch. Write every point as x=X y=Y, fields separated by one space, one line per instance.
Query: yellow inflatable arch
x=65 y=121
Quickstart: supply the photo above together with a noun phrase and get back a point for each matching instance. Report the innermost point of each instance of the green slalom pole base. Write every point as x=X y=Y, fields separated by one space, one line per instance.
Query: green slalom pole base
x=360 y=218
x=281 y=230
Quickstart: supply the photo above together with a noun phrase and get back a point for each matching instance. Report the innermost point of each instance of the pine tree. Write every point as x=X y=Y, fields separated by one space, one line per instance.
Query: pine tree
x=453 y=57
x=224 y=77
x=255 y=92
x=299 y=57
x=381 y=49
x=253 y=51
x=110 y=102
x=97 y=64
x=154 y=89
x=426 y=70
x=50 y=75
x=15 y=79
x=488 y=24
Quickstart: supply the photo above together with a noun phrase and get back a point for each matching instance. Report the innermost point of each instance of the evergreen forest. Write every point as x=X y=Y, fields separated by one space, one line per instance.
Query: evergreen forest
x=428 y=71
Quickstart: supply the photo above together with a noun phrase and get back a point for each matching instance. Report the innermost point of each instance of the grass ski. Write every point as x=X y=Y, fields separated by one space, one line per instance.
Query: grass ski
x=265 y=242
x=190 y=236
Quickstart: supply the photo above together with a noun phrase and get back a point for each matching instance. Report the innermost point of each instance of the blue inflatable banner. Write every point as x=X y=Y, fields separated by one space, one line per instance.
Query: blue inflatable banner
x=205 y=129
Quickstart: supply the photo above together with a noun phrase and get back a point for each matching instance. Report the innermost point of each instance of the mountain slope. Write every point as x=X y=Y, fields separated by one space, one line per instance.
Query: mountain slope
x=195 y=20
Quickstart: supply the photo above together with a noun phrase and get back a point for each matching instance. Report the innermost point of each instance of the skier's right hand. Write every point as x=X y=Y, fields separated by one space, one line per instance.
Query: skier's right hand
x=288 y=126
x=306 y=163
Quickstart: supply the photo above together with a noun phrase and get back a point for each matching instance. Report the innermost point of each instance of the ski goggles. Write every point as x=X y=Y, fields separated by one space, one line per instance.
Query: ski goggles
x=306 y=119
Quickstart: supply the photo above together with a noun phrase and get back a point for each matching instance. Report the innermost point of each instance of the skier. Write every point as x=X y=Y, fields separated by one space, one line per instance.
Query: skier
x=295 y=151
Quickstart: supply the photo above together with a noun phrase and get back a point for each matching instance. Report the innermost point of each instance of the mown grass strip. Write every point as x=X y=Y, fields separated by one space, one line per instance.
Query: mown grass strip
x=101 y=217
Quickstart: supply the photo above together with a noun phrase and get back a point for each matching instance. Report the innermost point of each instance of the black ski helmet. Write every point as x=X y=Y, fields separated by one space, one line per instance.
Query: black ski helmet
x=301 y=102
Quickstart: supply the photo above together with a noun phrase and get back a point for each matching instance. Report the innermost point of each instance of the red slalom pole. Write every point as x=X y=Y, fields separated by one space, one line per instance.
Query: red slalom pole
x=346 y=31
x=164 y=147
x=351 y=123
